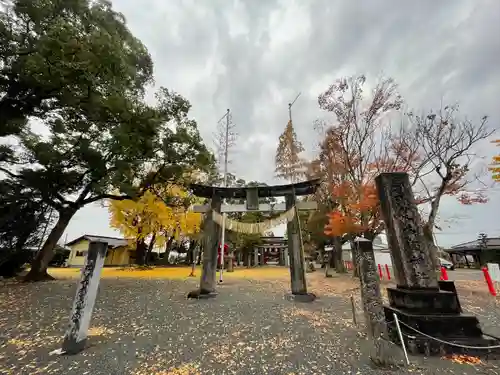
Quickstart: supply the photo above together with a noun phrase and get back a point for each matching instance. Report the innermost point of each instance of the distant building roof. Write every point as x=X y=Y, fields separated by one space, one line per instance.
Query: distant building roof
x=273 y=239
x=111 y=241
x=491 y=243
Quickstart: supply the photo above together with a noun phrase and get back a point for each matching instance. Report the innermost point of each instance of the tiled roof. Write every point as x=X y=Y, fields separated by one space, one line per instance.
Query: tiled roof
x=492 y=243
x=111 y=241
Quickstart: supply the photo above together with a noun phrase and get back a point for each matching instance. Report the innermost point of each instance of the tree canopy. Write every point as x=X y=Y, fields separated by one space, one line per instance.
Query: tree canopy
x=362 y=140
x=151 y=216
x=76 y=67
x=58 y=55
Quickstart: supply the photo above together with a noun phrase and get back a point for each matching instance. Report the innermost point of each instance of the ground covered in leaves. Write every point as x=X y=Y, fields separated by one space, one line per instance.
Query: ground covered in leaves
x=144 y=325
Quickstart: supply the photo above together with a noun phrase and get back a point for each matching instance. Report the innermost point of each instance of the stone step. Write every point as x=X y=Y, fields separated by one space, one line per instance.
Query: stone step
x=424 y=301
x=435 y=324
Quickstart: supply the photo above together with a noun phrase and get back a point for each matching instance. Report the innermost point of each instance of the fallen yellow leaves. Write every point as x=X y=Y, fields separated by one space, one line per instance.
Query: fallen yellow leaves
x=100 y=331
x=463 y=359
x=187 y=369
x=260 y=273
x=19 y=343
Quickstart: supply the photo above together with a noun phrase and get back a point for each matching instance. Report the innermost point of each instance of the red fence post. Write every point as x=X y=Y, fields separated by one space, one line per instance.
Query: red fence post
x=380 y=272
x=444 y=273
x=388 y=272
x=487 y=277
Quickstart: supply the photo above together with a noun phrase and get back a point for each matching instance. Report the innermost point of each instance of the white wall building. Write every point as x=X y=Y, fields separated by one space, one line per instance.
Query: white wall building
x=380 y=250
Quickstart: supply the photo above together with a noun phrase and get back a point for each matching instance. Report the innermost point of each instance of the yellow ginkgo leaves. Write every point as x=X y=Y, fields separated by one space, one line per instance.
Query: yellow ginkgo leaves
x=162 y=213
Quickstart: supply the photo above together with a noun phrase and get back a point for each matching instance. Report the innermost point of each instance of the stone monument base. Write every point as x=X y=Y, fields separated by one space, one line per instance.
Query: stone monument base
x=306 y=297
x=201 y=294
x=436 y=313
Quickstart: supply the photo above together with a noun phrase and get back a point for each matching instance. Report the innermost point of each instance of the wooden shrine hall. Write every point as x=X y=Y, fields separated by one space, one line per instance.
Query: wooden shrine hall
x=271 y=250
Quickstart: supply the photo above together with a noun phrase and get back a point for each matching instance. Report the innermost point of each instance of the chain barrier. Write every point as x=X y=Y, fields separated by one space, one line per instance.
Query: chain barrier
x=444 y=341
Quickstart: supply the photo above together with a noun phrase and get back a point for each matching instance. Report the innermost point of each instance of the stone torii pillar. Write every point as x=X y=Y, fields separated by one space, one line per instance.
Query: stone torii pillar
x=211 y=235
x=296 y=253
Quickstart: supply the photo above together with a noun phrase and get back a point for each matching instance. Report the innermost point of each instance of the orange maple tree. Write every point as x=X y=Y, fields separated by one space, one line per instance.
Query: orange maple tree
x=495 y=165
x=357 y=212
x=351 y=155
x=434 y=149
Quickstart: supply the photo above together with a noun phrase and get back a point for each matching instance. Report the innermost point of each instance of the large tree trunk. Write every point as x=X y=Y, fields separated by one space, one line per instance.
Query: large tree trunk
x=150 y=249
x=38 y=271
x=141 y=252
x=169 y=246
x=429 y=242
x=191 y=252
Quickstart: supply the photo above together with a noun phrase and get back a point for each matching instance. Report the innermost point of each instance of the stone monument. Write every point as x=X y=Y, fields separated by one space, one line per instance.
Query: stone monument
x=384 y=352
x=83 y=305
x=419 y=301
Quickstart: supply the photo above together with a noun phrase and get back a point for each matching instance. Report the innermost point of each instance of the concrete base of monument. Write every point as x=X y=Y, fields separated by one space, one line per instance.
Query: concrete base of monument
x=200 y=294
x=432 y=324
x=303 y=297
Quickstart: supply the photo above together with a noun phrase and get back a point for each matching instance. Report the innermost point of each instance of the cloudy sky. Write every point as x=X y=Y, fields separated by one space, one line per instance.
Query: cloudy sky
x=255 y=56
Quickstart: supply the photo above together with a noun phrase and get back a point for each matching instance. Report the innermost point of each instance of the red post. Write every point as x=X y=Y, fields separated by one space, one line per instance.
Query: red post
x=444 y=273
x=491 y=286
x=388 y=272
x=380 y=272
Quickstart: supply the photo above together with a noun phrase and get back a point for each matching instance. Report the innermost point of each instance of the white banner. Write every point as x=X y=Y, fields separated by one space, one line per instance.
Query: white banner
x=494 y=270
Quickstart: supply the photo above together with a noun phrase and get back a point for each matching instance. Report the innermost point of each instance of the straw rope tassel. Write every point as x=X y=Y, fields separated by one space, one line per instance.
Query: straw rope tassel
x=254 y=228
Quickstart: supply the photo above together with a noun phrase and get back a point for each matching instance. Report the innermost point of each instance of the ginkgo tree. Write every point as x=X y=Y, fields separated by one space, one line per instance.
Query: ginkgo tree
x=495 y=165
x=155 y=220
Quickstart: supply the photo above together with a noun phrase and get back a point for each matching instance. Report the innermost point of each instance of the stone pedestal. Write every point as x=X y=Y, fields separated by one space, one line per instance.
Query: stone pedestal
x=419 y=300
x=296 y=254
x=211 y=236
x=76 y=335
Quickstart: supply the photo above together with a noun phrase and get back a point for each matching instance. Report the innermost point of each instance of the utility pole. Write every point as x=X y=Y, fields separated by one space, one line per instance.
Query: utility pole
x=290 y=119
x=290 y=107
x=225 y=140
x=223 y=227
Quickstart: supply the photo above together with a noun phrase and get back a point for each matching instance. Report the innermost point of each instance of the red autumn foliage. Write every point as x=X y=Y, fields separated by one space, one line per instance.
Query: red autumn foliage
x=358 y=210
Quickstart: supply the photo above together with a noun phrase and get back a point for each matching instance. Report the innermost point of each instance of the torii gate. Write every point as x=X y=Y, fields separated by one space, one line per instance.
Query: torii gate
x=211 y=230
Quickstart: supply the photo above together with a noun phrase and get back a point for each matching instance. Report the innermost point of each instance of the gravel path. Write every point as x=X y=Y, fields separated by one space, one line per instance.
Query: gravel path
x=147 y=327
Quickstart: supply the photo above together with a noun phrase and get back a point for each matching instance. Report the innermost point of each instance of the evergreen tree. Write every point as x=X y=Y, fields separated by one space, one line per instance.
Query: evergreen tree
x=76 y=68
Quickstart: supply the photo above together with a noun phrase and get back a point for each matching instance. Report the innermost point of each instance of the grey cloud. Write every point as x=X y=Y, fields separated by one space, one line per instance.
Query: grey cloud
x=226 y=54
